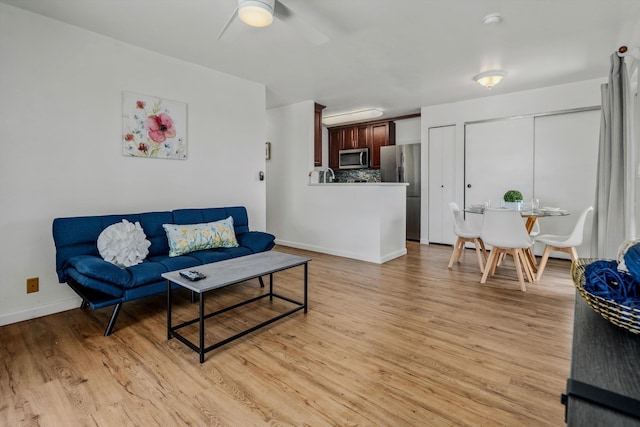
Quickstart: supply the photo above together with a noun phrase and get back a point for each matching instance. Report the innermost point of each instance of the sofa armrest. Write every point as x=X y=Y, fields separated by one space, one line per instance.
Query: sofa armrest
x=257 y=241
x=99 y=269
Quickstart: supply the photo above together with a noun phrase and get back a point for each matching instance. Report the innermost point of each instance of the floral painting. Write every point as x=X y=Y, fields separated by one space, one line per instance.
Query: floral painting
x=153 y=127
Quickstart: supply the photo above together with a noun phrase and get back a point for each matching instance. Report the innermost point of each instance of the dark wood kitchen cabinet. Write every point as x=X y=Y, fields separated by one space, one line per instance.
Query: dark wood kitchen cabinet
x=317 y=135
x=363 y=136
x=350 y=138
x=382 y=134
x=335 y=145
x=369 y=135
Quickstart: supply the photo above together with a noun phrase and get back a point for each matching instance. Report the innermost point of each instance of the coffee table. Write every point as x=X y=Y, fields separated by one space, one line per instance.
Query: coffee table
x=230 y=272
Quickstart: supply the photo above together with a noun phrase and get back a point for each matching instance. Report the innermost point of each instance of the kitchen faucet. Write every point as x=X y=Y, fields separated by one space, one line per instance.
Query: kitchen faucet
x=331 y=177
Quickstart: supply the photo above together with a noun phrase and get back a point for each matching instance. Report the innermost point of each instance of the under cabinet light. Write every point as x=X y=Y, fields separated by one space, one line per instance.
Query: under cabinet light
x=352 y=116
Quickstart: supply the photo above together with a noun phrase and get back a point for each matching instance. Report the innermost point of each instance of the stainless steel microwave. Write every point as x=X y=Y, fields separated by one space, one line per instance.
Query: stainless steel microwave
x=357 y=158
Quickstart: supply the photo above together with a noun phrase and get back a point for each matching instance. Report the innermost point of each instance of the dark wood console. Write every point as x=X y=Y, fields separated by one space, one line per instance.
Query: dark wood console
x=606 y=357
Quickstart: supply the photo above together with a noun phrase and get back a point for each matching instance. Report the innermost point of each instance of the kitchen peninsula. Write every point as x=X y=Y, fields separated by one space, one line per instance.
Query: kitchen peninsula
x=364 y=220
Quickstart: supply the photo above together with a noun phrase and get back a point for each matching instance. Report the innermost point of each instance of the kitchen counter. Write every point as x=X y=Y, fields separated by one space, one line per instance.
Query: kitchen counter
x=361 y=184
x=366 y=223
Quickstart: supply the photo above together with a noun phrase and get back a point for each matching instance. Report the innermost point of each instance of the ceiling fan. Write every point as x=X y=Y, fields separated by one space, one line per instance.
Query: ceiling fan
x=260 y=13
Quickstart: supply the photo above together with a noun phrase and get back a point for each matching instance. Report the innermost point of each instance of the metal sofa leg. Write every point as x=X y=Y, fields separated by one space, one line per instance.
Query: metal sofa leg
x=84 y=304
x=112 y=321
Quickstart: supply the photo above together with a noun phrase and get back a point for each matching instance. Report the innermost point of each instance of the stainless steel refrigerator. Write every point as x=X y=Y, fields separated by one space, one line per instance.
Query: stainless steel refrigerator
x=401 y=163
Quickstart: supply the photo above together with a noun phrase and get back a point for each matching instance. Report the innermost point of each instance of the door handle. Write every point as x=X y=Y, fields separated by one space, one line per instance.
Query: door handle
x=468 y=185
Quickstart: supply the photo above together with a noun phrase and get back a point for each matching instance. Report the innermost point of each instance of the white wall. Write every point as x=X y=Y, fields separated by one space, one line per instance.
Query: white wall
x=408 y=131
x=60 y=133
x=339 y=219
x=549 y=99
x=290 y=130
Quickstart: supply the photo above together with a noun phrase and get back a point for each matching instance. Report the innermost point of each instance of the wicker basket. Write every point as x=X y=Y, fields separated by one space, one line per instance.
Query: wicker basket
x=620 y=315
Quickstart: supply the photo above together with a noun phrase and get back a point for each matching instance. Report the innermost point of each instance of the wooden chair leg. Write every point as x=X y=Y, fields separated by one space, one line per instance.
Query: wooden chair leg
x=543 y=262
x=484 y=250
x=516 y=259
x=490 y=265
x=532 y=257
x=461 y=248
x=476 y=242
x=526 y=263
x=455 y=252
x=573 y=253
x=499 y=255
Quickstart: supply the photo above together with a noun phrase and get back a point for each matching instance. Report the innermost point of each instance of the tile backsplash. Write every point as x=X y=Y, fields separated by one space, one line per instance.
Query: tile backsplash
x=357 y=175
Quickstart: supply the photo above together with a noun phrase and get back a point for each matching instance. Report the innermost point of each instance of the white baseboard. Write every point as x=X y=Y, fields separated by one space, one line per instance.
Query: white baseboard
x=42 y=310
x=345 y=254
x=393 y=255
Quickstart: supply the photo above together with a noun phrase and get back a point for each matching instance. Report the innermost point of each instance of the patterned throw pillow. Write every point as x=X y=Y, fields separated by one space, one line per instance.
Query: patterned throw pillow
x=185 y=238
x=123 y=244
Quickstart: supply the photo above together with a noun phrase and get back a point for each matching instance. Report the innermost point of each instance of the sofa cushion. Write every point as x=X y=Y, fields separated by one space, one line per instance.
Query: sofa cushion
x=152 y=225
x=219 y=254
x=175 y=263
x=187 y=238
x=194 y=216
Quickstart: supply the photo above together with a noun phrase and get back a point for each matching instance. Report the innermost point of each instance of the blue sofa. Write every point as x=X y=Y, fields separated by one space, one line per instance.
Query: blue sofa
x=101 y=284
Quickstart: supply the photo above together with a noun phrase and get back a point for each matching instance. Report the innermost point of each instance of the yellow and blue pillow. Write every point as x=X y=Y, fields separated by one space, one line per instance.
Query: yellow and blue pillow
x=185 y=238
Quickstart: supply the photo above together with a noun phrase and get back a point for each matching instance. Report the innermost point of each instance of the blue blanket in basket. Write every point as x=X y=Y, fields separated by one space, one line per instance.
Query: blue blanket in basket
x=602 y=278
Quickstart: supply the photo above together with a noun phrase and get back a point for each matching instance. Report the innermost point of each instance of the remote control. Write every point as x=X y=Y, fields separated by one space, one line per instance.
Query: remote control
x=192 y=275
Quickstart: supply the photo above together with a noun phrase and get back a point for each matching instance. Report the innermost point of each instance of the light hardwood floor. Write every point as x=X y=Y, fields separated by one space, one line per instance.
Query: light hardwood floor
x=406 y=343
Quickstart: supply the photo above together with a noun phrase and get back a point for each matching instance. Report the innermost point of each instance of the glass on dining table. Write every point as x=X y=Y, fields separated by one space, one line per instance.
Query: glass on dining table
x=535 y=204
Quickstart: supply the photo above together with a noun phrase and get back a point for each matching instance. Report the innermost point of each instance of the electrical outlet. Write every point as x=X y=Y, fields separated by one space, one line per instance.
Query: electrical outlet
x=33 y=285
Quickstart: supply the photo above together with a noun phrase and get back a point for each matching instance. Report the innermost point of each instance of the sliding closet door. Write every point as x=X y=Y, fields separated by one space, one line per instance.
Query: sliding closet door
x=566 y=152
x=498 y=157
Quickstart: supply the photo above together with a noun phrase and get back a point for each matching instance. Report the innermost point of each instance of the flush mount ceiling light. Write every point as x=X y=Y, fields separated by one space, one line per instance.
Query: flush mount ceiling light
x=491 y=78
x=257 y=13
x=352 y=116
x=493 y=18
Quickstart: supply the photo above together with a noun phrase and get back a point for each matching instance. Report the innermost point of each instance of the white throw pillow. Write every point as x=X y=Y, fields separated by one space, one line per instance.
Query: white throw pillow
x=123 y=244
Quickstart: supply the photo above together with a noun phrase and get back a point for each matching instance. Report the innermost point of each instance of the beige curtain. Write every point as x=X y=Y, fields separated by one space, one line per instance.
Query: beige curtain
x=614 y=213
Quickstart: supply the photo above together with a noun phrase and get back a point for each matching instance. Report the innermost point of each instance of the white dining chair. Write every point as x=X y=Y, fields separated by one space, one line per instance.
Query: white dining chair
x=504 y=230
x=533 y=233
x=566 y=243
x=466 y=234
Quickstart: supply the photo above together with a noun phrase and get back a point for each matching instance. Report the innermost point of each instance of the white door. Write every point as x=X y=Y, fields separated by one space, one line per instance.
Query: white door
x=498 y=158
x=566 y=153
x=441 y=178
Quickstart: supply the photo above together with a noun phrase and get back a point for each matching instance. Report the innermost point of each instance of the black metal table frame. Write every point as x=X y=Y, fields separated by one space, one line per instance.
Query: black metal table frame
x=172 y=331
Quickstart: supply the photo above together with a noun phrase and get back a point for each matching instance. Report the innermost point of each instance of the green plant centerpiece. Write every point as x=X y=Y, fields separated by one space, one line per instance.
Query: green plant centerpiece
x=512 y=196
x=513 y=200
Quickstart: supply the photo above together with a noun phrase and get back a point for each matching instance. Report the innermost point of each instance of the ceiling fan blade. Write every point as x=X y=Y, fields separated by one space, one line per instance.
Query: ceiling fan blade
x=231 y=18
x=301 y=26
